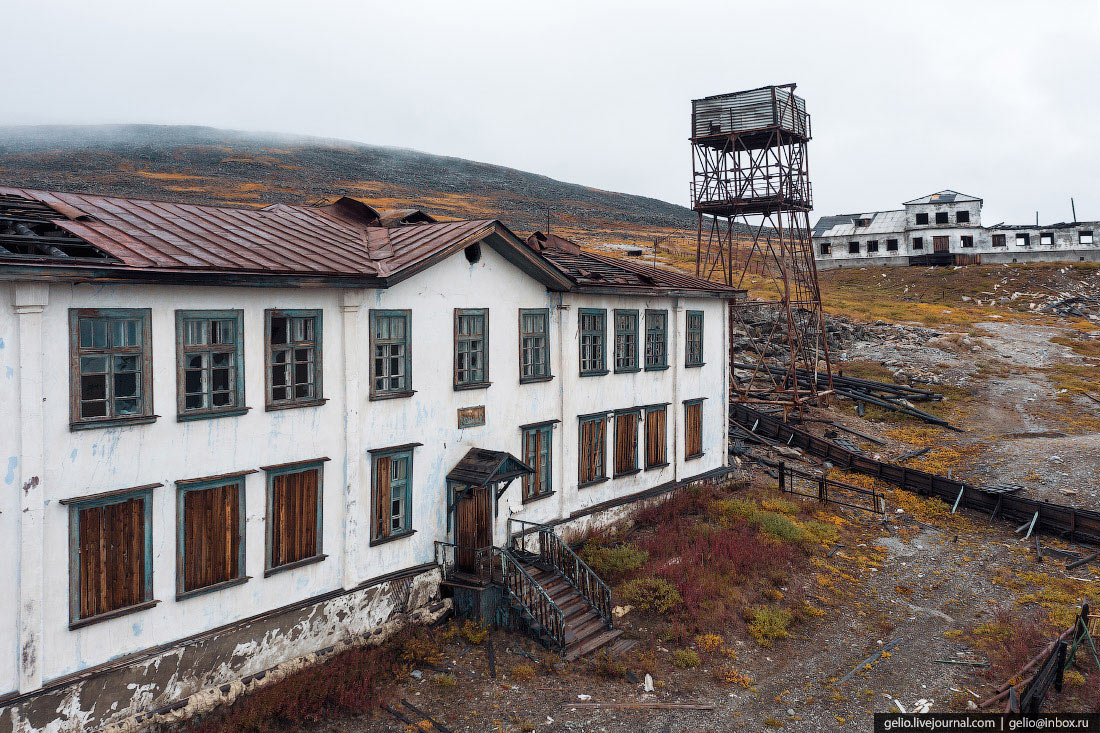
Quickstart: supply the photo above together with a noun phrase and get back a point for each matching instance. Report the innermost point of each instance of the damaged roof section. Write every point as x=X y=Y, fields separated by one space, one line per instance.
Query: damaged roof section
x=29 y=230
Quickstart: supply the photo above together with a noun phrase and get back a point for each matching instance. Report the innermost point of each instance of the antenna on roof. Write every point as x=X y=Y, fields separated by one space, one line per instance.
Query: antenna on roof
x=1073 y=209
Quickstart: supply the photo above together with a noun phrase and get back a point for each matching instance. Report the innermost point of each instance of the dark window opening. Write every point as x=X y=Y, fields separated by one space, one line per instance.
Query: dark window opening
x=1046 y=238
x=853 y=248
x=967 y=241
x=918 y=243
x=824 y=248
x=998 y=240
x=962 y=217
x=891 y=245
x=872 y=245
x=1023 y=240
x=922 y=218
x=942 y=217
x=473 y=253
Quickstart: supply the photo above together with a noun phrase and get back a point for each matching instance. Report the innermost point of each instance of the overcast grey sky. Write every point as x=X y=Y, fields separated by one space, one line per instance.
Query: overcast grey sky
x=996 y=98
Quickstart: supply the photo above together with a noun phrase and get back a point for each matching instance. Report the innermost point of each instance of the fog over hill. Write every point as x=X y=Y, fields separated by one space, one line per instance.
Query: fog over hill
x=209 y=165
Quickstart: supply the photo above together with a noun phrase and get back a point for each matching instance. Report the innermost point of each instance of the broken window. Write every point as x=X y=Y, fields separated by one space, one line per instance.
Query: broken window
x=534 y=344
x=918 y=243
x=694 y=339
x=891 y=245
x=592 y=448
x=1023 y=240
x=111 y=566
x=390 y=346
x=967 y=241
x=962 y=217
x=211 y=534
x=942 y=217
x=626 y=340
x=592 y=352
x=537 y=449
x=693 y=428
x=1084 y=237
x=391 y=497
x=998 y=240
x=626 y=442
x=293 y=515
x=872 y=245
x=293 y=358
x=656 y=339
x=853 y=248
x=210 y=368
x=111 y=369
x=1046 y=238
x=655 y=436
x=824 y=248
x=471 y=347
x=922 y=218
x=863 y=222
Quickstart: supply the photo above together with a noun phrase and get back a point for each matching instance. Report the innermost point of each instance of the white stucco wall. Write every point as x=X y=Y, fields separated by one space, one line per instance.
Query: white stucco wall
x=79 y=463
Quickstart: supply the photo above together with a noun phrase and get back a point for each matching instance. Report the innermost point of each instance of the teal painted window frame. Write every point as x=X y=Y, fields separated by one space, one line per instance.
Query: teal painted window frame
x=532 y=344
x=269 y=478
x=237 y=405
x=314 y=347
x=467 y=345
x=403 y=453
x=182 y=489
x=546 y=470
x=626 y=340
x=85 y=354
x=592 y=342
x=702 y=444
x=694 y=341
x=403 y=356
x=656 y=340
x=75 y=507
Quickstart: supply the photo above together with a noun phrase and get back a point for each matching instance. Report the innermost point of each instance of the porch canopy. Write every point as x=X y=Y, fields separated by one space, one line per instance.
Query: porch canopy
x=482 y=467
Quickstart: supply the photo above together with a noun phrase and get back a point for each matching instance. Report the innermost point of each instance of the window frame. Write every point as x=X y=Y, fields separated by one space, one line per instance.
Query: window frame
x=398 y=451
x=599 y=476
x=75 y=506
x=891 y=245
x=317 y=345
x=966 y=241
x=663 y=333
x=962 y=216
x=918 y=216
x=633 y=412
x=872 y=246
x=649 y=410
x=702 y=447
x=943 y=217
x=1025 y=237
x=999 y=240
x=545 y=335
x=270 y=474
x=547 y=431
x=689 y=332
x=1081 y=234
x=1046 y=235
x=144 y=352
x=187 y=486
x=600 y=333
x=633 y=366
x=918 y=243
x=183 y=413
x=483 y=313
x=853 y=248
x=373 y=341
x=824 y=248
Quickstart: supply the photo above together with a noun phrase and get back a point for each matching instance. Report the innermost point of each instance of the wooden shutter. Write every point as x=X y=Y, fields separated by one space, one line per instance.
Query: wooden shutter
x=211 y=536
x=532 y=455
x=626 y=442
x=112 y=556
x=294 y=514
x=693 y=429
x=591 y=450
x=655 y=437
x=382 y=474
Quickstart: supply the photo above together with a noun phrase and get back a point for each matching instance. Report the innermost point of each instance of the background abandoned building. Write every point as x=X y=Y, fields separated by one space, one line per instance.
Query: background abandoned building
x=946 y=228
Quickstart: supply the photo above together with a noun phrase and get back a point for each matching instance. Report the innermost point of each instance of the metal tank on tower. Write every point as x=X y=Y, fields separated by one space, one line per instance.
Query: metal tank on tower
x=751 y=191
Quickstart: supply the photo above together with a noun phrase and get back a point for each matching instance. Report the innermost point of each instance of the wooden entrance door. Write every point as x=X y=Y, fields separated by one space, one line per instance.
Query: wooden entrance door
x=941 y=244
x=474 y=527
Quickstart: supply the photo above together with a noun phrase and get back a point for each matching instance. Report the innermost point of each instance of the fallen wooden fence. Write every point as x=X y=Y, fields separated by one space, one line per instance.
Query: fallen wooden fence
x=1079 y=525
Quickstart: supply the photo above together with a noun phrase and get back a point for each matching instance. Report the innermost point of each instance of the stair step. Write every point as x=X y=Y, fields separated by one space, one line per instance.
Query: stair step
x=574 y=608
x=620 y=645
x=591 y=644
x=579 y=621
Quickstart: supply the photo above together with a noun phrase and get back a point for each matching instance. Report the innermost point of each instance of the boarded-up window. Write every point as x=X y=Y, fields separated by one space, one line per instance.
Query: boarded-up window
x=294 y=515
x=656 y=437
x=918 y=243
x=391 y=500
x=592 y=449
x=626 y=443
x=998 y=240
x=536 y=454
x=210 y=534
x=112 y=559
x=693 y=429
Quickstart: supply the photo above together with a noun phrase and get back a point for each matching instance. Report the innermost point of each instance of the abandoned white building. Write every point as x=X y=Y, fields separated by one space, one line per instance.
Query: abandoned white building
x=233 y=437
x=946 y=228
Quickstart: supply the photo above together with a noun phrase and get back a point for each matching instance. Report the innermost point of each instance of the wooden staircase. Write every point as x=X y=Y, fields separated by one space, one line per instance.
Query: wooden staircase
x=585 y=630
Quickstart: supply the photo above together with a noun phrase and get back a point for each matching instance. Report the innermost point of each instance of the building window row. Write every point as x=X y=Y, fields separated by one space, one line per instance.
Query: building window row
x=942 y=217
x=627 y=341
x=626 y=459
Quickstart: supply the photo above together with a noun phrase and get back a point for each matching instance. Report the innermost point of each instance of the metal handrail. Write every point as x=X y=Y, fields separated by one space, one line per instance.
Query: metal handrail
x=446 y=557
x=554 y=551
x=532 y=597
